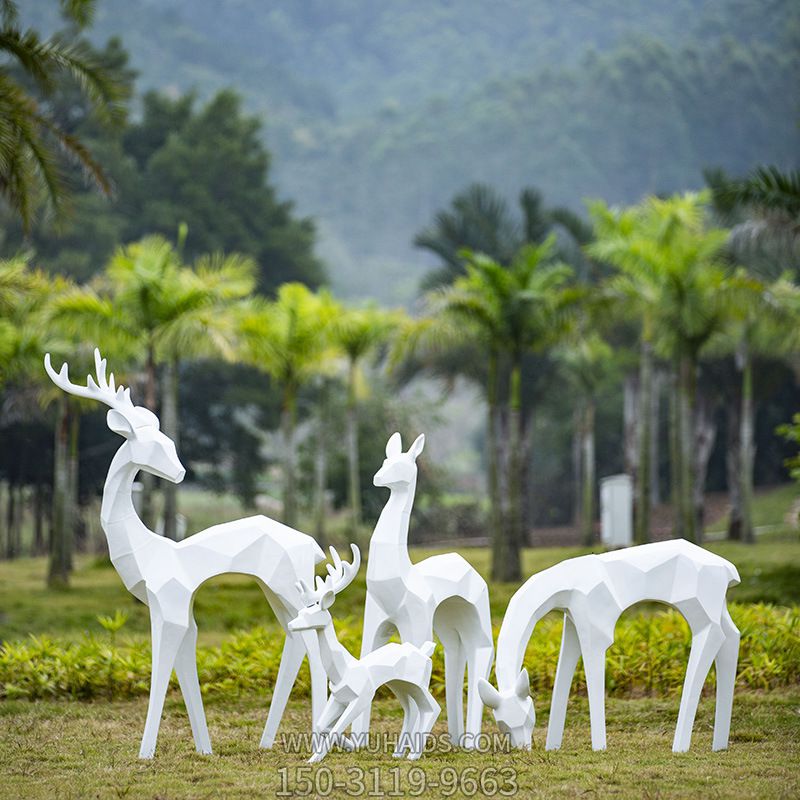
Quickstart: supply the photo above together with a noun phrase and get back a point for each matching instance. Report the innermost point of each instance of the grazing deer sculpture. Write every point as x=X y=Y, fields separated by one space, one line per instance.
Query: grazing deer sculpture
x=404 y=668
x=593 y=591
x=165 y=575
x=442 y=594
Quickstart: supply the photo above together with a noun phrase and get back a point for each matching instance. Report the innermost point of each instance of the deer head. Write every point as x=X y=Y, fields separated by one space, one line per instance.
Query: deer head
x=513 y=709
x=315 y=615
x=149 y=449
x=399 y=468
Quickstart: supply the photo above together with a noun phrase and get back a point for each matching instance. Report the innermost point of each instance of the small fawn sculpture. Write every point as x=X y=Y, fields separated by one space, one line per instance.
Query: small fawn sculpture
x=404 y=668
x=442 y=594
x=165 y=575
x=593 y=591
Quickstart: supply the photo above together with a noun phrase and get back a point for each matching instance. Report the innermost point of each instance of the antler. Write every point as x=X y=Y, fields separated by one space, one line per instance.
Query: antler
x=98 y=388
x=340 y=575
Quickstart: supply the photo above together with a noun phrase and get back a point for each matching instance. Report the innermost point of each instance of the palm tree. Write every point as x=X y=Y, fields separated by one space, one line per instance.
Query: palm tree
x=165 y=313
x=585 y=360
x=31 y=141
x=517 y=309
x=359 y=332
x=672 y=263
x=289 y=339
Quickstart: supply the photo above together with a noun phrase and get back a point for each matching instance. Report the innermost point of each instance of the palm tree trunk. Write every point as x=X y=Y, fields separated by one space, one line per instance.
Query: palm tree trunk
x=11 y=512
x=642 y=530
x=675 y=451
x=151 y=401
x=688 y=392
x=288 y=421
x=61 y=532
x=169 y=419
x=733 y=454
x=655 y=413
x=353 y=467
x=577 y=467
x=514 y=533
x=705 y=434
x=630 y=405
x=747 y=456
x=321 y=471
x=588 y=457
x=77 y=533
x=38 y=519
x=496 y=530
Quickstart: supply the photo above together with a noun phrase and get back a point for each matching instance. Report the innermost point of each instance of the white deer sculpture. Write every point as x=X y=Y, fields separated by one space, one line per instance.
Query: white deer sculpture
x=403 y=668
x=593 y=591
x=165 y=575
x=442 y=594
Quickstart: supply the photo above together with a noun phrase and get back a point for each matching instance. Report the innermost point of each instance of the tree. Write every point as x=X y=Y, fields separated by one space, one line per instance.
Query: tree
x=515 y=310
x=289 y=339
x=672 y=263
x=358 y=332
x=164 y=313
x=33 y=144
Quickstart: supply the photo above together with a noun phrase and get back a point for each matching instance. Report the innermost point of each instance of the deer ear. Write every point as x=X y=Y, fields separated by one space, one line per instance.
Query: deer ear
x=394 y=446
x=489 y=695
x=119 y=423
x=523 y=686
x=326 y=601
x=417 y=447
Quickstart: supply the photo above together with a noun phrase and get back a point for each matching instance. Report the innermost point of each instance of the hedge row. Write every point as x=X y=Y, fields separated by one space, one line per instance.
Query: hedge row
x=649 y=656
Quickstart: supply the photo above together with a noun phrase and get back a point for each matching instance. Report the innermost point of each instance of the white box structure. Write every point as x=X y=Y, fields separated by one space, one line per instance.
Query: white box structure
x=616 y=511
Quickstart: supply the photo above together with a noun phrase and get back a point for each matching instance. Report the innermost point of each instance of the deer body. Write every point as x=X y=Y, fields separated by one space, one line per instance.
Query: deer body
x=404 y=668
x=442 y=594
x=593 y=591
x=165 y=575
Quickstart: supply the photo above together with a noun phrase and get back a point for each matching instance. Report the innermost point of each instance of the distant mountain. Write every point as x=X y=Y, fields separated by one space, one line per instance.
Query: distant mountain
x=378 y=112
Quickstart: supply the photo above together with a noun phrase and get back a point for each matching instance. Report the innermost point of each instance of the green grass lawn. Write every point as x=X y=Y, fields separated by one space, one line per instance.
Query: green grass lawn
x=79 y=750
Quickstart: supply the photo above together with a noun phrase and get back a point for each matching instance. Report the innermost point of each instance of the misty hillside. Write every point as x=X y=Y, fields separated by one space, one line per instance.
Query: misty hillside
x=378 y=113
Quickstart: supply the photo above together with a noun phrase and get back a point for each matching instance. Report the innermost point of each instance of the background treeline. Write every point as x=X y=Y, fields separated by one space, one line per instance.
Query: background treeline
x=377 y=116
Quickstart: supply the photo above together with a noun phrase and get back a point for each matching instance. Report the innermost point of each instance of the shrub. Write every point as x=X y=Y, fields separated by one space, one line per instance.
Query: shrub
x=648 y=656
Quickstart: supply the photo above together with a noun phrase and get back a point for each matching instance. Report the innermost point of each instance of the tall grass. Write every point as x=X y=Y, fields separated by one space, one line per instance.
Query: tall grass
x=648 y=657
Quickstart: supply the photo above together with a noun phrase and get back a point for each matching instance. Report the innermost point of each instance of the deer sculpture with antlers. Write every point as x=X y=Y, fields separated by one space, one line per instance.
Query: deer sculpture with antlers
x=165 y=575
x=404 y=668
x=442 y=594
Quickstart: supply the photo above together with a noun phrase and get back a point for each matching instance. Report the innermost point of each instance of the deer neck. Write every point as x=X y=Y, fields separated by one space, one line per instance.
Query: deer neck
x=336 y=659
x=388 y=547
x=124 y=530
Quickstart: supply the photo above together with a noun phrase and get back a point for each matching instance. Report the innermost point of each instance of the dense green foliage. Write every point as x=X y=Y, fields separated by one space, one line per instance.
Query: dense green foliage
x=377 y=116
x=649 y=655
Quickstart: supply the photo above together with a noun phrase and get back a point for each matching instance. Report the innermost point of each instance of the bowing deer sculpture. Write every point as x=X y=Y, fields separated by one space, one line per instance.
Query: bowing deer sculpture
x=404 y=668
x=165 y=575
x=593 y=591
x=442 y=594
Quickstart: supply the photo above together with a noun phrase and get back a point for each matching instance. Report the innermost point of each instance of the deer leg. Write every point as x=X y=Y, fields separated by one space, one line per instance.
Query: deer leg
x=455 y=663
x=292 y=657
x=322 y=737
x=166 y=640
x=567 y=661
x=479 y=660
x=410 y=715
x=594 y=663
x=375 y=633
x=727 y=658
x=347 y=716
x=705 y=646
x=428 y=714
x=186 y=670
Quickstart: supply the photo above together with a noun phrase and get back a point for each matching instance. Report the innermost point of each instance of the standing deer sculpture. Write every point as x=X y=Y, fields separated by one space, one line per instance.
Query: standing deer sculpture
x=442 y=594
x=403 y=668
x=593 y=591
x=165 y=575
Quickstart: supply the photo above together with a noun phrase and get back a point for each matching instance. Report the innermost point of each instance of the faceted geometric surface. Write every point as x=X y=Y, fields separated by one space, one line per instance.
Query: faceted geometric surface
x=404 y=668
x=593 y=591
x=443 y=595
x=166 y=575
